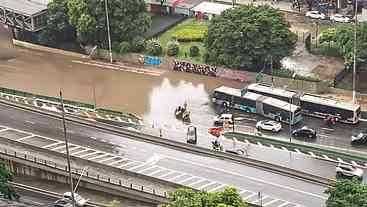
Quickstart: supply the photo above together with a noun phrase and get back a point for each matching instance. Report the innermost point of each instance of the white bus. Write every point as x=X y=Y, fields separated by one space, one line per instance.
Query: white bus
x=311 y=104
x=255 y=103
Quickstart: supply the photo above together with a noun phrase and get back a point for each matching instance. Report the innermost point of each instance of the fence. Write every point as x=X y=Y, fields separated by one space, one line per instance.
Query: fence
x=78 y=172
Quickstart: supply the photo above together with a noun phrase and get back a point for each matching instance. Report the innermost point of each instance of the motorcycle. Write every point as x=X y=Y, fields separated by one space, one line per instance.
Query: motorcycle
x=217 y=146
x=330 y=121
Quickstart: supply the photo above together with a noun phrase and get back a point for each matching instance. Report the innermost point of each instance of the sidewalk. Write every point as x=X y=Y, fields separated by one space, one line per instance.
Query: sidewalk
x=281 y=5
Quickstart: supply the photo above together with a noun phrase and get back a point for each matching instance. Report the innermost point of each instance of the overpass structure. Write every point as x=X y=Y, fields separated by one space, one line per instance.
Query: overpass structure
x=29 y=15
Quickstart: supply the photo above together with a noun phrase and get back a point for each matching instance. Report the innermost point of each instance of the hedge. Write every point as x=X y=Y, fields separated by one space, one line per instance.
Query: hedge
x=189 y=35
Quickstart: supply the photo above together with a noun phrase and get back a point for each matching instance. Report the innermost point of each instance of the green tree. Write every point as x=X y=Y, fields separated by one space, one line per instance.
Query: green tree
x=58 y=28
x=124 y=47
x=128 y=19
x=246 y=36
x=113 y=203
x=173 y=47
x=347 y=193
x=6 y=190
x=154 y=47
x=189 y=198
x=194 y=51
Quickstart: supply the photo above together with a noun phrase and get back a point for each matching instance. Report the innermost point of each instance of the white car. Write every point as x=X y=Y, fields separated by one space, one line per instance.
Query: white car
x=339 y=18
x=79 y=200
x=315 y=15
x=348 y=171
x=269 y=125
x=220 y=119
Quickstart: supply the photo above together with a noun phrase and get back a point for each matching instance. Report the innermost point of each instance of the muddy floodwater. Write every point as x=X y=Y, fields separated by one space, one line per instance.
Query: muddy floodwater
x=153 y=97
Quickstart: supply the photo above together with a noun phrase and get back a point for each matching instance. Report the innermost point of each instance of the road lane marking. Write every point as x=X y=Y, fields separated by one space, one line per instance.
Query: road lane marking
x=110 y=158
x=118 y=161
x=270 y=202
x=186 y=179
x=99 y=156
x=82 y=151
x=243 y=191
x=284 y=204
x=24 y=138
x=151 y=167
x=177 y=176
x=196 y=182
x=249 y=196
x=30 y=122
x=135 y=167
x=2 y=130
x=207 y=185
x=155 y=172
x=128 y=163
x=169 y=173
x=260 y=199
x=92 y=153
x=217 y=188
x=59 y=147
x=250 y=178
x=53 y=144
x=328 y=129
x=323 y=135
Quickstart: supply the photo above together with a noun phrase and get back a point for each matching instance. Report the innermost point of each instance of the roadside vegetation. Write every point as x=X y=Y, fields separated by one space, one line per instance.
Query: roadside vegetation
x=347 y=193
x=189 y=198
x=6 y=190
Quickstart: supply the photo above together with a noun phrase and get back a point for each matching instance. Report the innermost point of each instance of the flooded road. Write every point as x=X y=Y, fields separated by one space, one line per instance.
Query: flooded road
x=152 y=97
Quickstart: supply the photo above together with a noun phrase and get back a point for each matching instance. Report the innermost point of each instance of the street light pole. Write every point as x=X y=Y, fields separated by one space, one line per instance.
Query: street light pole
x=108 y=30
x=355 y=52
x=67 y=150
x=290 y=119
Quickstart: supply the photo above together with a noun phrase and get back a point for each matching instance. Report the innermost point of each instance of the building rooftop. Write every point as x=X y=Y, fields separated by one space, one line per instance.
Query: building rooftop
x=211 y=8
x=28 y=7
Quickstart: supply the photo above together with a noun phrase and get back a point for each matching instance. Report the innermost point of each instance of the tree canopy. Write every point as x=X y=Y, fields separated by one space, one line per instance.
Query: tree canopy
x=57 y=27
x=343 y=37
x=6 y=190
x=347 y=193
x=245 y=37
x=189 y=198
x=128 y=19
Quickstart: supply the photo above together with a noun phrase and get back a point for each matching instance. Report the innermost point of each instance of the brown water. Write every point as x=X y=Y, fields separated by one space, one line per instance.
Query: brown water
x=153 y=97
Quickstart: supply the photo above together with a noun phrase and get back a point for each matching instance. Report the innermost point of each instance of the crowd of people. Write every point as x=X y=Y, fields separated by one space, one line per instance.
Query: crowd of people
x=195 y=68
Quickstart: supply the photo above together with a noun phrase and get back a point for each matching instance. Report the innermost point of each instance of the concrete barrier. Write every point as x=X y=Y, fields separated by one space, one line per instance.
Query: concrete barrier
x=47 y=49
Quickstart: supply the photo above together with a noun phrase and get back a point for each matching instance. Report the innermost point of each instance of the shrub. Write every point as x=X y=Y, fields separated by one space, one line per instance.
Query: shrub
x=138 y=44
x=124 y=47
x=194 y=51
x=189 y=35
x=153 y=47
x=173 y=47
x=115 y=47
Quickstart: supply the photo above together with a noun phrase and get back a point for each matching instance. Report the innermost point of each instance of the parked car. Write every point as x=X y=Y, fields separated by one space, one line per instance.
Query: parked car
x=79 y=200
x=349 y=171
x=359 y=138
x=269 y=125
x=340 y=18
x=315 y=15
x=220 y=119
x=64 y=202
x=304 y=132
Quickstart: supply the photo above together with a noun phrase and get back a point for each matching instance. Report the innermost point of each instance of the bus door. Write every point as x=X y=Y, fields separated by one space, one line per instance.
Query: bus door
x=259 y=105
x=296 y=99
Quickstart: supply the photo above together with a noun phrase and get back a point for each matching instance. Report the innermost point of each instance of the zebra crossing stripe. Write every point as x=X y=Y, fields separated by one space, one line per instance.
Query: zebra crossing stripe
x=24 y=138
x=186 y=179
x=217 y=188
x=258 y=200
x=284 y=204
x=59 y=147
x=298 y=151
x=206 y=185
x=118 y=161
x=72 y=148
x=178 y=176
x=92 y=153
x=164 y=175
x=155 y=172
x=196 y=182
x=51 y=145
x=242 y=191
x=135 y=167
x=249 y=196
x=99 y=156
x=270 y=202
x=2 y=130
x=110 y=158
x=78 y=152
x=151 y=167
x=126 y=164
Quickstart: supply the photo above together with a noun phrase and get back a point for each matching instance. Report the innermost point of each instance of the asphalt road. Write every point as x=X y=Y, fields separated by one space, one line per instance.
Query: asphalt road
x=279 y=186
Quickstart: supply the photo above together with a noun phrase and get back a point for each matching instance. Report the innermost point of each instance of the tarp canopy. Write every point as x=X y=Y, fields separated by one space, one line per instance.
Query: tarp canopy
x=211 y=8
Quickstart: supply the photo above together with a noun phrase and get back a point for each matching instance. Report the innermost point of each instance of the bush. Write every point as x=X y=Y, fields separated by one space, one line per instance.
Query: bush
x=189 y=35
x=194 y=51
x=173 y=47
x=138 y=44
x=115 y=47
x=124 y=47
x=153 y=47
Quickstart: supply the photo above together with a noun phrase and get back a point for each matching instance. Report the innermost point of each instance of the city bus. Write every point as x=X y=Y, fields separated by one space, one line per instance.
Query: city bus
x=255 y=103
x=312 y=105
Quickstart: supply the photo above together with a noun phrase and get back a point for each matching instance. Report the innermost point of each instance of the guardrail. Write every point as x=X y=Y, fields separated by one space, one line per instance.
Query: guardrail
x=150 y=192
x=49 y=193
x=185 y=147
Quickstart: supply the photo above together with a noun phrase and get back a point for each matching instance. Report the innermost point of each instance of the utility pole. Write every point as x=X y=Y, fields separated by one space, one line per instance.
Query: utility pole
x=355 y=52
x=67 y=150
x=290 y=119
x=108 y=30
x=271 y=68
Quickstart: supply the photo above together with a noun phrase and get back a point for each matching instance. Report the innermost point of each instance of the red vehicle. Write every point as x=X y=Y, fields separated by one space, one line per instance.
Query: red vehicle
x=215 y=131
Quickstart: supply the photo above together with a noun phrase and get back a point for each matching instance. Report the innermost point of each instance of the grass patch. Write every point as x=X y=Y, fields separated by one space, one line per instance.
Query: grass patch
x=188 y=27
x=301 y=147
x=285 y=73
x=326 y=49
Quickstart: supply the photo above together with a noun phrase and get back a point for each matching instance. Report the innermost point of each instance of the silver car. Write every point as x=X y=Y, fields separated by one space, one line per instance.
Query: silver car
x=343 y=170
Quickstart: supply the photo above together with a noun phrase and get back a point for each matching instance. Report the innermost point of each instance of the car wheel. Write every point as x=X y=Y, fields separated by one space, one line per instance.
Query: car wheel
x=338 y=174
x=310 y=136
x=273 y=130
x=259 y=128
x=295 y=134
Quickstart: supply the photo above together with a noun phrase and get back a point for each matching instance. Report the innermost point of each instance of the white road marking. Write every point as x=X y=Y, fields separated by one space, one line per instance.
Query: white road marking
x=92 y=153
x=259 y=143
x=328 y=129
x=30 y=122
x=243 y=191
x=99 y=156
x=284 y=204
x=151 y=167
x=326 y=157
x=270 y=202
x=164 y=175
x=155 y=172
x=217 y=188
x=298 y=151
x=248 y=177
x=322 y=135
x=78 y=152
x=59 y=147
x=110 y=158
x=154 y=159
x=126 y=164
x=258 y=200
x=206 y=185
x=186 y=179
x=135 y=167
x=118 y=161
x=177 y=176
x=196 y=182
x=283 y=148
x=2 y=130
x=249 y=196
x=312 y=154
x=24 y=138
x=73 y=148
